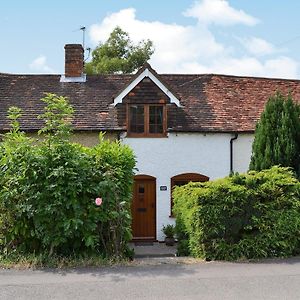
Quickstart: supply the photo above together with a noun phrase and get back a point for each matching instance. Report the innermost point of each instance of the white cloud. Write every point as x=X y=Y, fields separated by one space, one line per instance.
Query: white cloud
x=278 y=67
x=194 y=48
x=40 y=65
x=219 y=12
x=174 y=44
x=281 y=67
x=258 y=46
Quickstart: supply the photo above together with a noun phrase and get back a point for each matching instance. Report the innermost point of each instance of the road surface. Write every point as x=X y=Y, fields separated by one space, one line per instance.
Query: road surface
x=272 y=279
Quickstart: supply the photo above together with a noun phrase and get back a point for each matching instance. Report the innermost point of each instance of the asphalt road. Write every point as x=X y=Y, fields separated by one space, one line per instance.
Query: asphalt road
x=274 y=279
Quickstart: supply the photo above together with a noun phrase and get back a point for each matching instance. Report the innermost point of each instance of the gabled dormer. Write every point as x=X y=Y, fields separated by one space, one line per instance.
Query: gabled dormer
x=146 y=99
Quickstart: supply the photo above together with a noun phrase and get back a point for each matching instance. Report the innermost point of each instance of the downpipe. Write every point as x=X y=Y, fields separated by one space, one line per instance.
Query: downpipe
x=231 y=151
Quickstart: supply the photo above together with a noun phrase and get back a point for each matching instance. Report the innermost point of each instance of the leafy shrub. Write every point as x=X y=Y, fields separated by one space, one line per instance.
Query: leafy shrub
x=48 y=190
x=251 y=215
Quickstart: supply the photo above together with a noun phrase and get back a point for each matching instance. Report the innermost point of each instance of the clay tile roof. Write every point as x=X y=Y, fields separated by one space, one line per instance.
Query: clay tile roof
x=210 y=103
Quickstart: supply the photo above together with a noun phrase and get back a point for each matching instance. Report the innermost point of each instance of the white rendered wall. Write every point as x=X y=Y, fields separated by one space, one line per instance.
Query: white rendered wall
x=242 y=148
x=163 y=158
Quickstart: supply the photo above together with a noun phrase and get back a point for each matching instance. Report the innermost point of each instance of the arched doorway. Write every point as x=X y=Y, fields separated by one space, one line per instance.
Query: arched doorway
x=143 y=208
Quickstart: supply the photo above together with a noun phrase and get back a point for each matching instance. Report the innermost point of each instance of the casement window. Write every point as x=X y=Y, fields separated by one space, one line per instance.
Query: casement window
x=183 y=179
x=146 y=120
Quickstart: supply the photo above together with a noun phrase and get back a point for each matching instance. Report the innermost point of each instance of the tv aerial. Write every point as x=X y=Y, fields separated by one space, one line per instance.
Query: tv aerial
x=83 y=29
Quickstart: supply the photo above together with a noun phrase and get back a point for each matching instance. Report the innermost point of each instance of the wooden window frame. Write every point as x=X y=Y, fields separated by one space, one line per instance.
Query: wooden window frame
x=189 y=177
x=146 y=132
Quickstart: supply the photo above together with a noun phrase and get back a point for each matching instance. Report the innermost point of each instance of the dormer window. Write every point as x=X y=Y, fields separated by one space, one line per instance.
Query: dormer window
x=146 y=120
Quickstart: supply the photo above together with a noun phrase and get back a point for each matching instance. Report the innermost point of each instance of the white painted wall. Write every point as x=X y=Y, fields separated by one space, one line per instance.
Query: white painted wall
x=242 y=148
x=207 y=154
x=163 y=158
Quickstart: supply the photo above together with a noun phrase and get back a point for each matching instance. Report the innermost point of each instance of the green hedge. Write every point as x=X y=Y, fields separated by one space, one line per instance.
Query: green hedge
x=250 y=215
x=48 y=190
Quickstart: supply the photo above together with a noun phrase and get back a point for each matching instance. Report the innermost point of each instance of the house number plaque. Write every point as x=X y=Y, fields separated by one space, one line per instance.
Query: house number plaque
x=163 y=188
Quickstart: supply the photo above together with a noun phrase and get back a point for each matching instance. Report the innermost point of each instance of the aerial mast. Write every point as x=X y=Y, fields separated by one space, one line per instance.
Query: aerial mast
x=82 y=28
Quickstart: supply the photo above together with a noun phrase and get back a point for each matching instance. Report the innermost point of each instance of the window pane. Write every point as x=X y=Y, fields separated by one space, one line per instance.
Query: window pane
x=137 y=119
x=155 y=119
x=141 y=189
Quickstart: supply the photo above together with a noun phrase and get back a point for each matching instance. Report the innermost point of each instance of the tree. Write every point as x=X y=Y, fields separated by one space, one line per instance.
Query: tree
x=58 y=115
x=119 y=55
x=277 y=135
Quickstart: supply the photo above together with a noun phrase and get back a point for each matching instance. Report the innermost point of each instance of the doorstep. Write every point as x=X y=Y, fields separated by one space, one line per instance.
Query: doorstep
x=152 y=249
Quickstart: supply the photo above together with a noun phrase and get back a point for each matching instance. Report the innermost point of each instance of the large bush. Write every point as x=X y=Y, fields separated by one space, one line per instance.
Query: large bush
x=252 y=215
x=48 y=190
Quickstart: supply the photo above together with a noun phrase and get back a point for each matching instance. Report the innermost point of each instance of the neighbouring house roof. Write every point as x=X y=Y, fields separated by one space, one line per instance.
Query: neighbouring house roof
x=208 y=103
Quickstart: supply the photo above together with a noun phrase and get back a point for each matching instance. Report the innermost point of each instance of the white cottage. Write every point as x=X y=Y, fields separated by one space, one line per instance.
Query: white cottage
x=181 y=127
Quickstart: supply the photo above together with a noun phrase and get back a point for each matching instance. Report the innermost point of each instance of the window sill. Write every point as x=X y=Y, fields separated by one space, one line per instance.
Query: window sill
x=130 y=135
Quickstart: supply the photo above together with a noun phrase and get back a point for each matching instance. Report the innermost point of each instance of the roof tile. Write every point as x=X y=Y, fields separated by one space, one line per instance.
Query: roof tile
x=210 y=103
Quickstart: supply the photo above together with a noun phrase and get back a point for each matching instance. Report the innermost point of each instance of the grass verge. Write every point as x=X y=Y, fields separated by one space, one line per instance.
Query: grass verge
x=40 y=261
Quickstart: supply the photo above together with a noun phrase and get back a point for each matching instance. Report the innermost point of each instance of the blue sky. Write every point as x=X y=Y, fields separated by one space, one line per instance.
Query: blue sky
x=254 y=38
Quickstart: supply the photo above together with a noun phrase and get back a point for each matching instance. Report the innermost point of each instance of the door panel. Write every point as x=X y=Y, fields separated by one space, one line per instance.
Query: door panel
x=144 y=209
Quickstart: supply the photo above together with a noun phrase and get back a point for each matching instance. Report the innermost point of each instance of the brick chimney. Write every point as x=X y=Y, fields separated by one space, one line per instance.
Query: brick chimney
x=73 y=60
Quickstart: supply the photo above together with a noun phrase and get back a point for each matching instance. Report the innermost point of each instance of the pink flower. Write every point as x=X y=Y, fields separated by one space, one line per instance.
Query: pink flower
x=98 y=201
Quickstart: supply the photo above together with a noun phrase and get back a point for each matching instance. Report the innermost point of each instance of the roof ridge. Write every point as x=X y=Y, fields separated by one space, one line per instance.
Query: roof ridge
x=231 y=76
x=163 y=75
x=29 y=75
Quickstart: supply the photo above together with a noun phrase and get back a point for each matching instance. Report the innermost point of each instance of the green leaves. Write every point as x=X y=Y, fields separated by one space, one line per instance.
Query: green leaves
x=57 y=115
x=243 y=216
x=14 y=113
x=277 y=135
x=119 y=55
x=48 y=190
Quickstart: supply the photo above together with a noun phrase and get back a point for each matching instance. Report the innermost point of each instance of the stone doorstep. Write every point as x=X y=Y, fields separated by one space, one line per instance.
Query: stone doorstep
x=155 y=249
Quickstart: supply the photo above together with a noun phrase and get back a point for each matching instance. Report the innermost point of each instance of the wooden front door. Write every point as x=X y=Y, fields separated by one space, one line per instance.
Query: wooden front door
x=143 y=208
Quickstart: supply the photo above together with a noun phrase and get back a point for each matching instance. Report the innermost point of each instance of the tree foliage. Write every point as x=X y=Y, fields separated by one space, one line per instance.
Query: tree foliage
x=277 y=135
x=119 y=55
x=58 y=115
x=48 y=190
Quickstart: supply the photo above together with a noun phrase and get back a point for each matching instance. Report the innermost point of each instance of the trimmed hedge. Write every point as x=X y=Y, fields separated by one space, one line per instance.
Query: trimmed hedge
x=245 y=216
